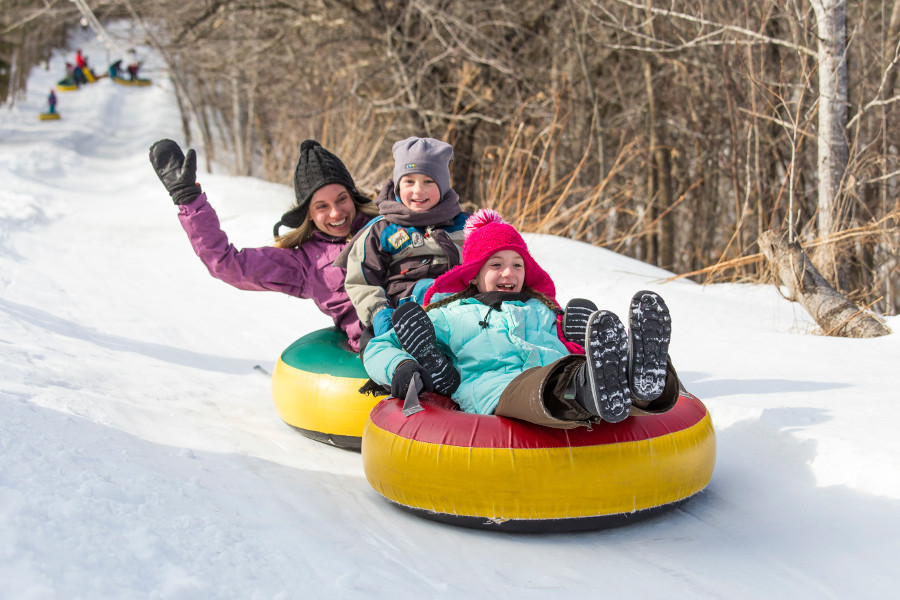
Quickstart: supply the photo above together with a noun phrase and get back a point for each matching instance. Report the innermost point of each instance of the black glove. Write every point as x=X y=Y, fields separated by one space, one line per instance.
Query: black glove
x=176 y=171
x=404 y=374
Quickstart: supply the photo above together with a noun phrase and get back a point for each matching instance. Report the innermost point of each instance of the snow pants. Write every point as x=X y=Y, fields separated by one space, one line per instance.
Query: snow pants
x=538 y=396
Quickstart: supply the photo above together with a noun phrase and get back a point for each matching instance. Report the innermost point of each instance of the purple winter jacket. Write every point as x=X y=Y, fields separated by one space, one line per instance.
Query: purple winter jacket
x=304 y=272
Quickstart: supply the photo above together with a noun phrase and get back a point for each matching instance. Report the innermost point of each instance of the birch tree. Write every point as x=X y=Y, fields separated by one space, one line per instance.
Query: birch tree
x=832 y=145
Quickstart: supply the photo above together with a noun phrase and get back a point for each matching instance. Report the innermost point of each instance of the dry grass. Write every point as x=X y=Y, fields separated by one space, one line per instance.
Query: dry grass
x=516 y=181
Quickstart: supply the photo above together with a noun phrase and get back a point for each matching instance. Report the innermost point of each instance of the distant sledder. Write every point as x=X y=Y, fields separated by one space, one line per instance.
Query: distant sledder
x=51 y=114
x=134 y=65
x=82 y=72
x=77 y=74
x=68 y=83
x=131 y=82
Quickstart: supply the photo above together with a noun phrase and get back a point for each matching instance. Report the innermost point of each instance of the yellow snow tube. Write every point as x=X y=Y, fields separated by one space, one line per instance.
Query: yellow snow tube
x=492 y=472
x=66 y=85
x=315 y=387
x=132 y=82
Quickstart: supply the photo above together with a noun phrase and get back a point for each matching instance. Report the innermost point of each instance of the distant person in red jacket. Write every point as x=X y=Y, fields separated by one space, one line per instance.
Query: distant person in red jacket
x=133 y=64
x=80 y=68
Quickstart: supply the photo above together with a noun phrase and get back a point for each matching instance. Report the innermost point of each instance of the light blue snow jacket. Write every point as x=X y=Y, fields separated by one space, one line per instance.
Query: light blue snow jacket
x=517 y=337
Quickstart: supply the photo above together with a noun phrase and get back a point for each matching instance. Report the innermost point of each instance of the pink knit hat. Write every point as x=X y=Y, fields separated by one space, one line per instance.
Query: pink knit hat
x=486 y=234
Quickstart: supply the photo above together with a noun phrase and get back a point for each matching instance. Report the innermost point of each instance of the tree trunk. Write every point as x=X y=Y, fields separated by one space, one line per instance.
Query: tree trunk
x=661 y=243
x=836 y=315
x=892 y=34
x=833 y=147
x=666 y=252
x=650 y=239
x=886 y=261
x=596 y=129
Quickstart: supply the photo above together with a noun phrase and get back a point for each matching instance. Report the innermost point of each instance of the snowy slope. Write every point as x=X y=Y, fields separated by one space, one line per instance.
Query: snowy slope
x=141 y=455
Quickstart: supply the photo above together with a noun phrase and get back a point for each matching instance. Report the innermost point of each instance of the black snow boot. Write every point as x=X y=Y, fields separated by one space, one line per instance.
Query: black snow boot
x=601 y=384
x=650 y=329
x=575 y=319
x=416 y=334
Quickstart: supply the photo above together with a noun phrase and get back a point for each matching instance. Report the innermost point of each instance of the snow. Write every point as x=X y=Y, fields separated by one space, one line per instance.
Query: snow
x=141 y=455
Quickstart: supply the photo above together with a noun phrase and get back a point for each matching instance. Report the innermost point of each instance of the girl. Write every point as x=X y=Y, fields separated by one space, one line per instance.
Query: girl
x=417 y=238
x=498 y=326
x=328 y=212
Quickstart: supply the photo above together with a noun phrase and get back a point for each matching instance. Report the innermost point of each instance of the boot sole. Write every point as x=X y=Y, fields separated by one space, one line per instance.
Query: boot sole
x=415 y=331
x=606 y=346
x=650 y=329
x=575 y=319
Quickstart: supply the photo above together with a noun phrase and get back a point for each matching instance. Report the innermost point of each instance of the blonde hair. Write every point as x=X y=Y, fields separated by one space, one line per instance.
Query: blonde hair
x=296 y=237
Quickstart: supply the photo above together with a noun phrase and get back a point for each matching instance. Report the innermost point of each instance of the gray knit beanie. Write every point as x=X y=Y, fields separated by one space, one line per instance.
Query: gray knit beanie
x=427 y=156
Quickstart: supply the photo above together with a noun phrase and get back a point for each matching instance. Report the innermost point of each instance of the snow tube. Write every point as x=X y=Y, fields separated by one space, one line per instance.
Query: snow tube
x=315 y=386
x=66 y=85
x=136 y=82
x=48 y=116
x=492 y=472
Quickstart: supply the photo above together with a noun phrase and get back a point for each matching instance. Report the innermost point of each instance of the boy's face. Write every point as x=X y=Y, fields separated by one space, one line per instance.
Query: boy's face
x=332 y=210
x=418 y=192
x=502 y=272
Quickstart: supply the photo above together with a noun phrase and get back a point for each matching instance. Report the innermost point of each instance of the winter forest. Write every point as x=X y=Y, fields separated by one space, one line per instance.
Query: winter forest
x=677 y=133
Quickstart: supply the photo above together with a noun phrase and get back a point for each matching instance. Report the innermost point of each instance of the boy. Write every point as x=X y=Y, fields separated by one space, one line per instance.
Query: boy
x=417 y=237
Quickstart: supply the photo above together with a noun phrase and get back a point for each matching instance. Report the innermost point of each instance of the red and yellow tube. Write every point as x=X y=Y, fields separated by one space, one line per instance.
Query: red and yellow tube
x=488 y=471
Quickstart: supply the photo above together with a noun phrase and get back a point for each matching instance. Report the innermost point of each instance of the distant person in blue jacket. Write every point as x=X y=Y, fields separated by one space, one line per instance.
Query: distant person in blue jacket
x=115 y=70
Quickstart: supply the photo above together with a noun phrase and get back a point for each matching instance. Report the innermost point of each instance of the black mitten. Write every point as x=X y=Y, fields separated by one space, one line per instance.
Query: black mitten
x=176 y=171
x=404 y=374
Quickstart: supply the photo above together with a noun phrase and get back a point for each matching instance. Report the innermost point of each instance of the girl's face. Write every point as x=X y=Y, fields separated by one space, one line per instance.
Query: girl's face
x=502 y=272
x=331 y=209
x=418 y=192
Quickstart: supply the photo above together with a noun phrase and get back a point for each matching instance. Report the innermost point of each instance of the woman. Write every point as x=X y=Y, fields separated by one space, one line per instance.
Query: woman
x=328 y=212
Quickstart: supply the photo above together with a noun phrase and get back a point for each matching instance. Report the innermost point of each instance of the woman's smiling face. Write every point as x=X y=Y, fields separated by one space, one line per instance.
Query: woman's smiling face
x=504 y=271
x=331 y=209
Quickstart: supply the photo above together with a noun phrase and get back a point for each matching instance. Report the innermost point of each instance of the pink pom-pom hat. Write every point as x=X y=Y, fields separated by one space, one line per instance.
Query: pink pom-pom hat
x=486 y=234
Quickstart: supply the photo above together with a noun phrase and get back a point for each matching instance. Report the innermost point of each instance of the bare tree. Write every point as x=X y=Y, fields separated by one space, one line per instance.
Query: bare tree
x=29 y=29
x=833 y=146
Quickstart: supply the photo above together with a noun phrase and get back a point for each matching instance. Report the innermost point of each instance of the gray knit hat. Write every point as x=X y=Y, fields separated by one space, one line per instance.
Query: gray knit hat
x=316 y=168
x=427 y=156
